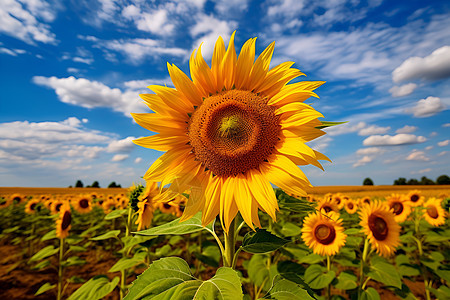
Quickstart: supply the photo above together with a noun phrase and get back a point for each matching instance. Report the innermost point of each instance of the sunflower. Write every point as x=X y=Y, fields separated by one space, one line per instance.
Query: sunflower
x=146 y=204
x=364 y=201
x=83 y=204
x=400 y=206
x=17 y=198
x=339 y=200
x=231 y=131
x=327 y=205
x=109 y=205
x=32 y=206
x=415 y=198
x=434 y=214
x=323 y=233
x=56 y=206
x=63 y=224
x=351 y=206
x=5 y=202
x=378 y=223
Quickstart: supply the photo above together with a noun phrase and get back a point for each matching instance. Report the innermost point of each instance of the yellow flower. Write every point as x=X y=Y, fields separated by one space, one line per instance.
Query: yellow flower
x=83 y=204
x=415 y=198
x=326 y=205
x=339 y=200
x=434 y=214
x=17 y=198
x=379 y=225
x=400 y=206
x=230 y=132
x=148 y=199
x=364 y=201
x=5 y=202
x=63 y=224
x=109 y=205
x=56 y=206
x=323 y=233
x=30 y=207
x=351 y=206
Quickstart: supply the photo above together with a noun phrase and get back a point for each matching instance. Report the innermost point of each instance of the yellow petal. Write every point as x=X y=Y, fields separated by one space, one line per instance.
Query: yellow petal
x=161 y=143
x=229 y=64
x=283 y=180
x=184 y=85
x=263 y=192
x=157 y=123
x=245 y=63
x=243 y=199
x=172 y=98
x=261 y=67
x=216 y=63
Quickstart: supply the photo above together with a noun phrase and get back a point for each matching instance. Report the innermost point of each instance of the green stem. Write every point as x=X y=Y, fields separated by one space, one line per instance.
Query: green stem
x=128 y=229
x=230 y=245
x=329 y=269
x=219 y=242
x=60 y=270
x=235 y=258
x=427 y=288
x=365 y=282
x=361 y=271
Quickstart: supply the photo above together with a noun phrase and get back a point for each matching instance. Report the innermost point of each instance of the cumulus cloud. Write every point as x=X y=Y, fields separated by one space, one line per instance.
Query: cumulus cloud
x=422 y=171
x=443 y=153
x=427 y=107
x=229 y=8
x=444 y=143
x=446 y=125
x=403 y=90
x=12 y=52
x=92 y=94
x=138 y=160
x=389 y=140
x=119 y=157
x=363 y=161
x=406 y=129
x=432 y=67
x=370 y=151
x=373 y=129
x=124 y=145
x=25 y=21
x=155 y=21
x=345 y=128
x=417 y=155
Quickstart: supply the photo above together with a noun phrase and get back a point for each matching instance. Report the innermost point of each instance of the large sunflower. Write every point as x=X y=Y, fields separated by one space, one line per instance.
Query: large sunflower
x=231 y=131
x=378 y=223
x=434 y=213
x=400 y=206
x=63 y=224
x=323 y=233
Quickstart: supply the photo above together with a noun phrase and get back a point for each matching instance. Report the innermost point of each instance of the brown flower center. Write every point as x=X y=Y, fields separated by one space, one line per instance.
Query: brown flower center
x=415 y=198
x=350 y=205
x=338 y=200
x=17 y=199
x=233 y=132
x=327 y=208
x=58 y=206
x=66 y=220
x=167 y=205
x=325 y=234
x=84 y=203
x=379 y=227
x=398 y=207
x=33 y=206
x=433 y=212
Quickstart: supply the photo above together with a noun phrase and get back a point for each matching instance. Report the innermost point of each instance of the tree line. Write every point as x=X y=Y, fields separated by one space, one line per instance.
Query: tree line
x=95 y=184
x=443 y=179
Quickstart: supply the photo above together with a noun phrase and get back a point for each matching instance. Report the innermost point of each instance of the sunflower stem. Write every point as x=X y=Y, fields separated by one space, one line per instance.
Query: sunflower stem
x=329 y=269
x=230 y=242
x=361 y=272
x=60 y=270
x=128 y=227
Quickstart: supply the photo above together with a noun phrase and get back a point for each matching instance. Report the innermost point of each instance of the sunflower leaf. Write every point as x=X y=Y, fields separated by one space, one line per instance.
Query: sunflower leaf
x=96 y=288
x=262 y=241
x=370 y=294
x=194 y=224
x=108 y=235
x=116 y=214
x=318 y=277
x=385 y=273
x=44 y=288
x=125 y=263
x=44 y=252
x=283 y=289
x=326 y=124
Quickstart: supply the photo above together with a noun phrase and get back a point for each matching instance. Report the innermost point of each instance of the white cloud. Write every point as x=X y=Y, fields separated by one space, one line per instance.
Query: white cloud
x=83 y=60
x=138 y=160
x=155 y=21
x=21 y=21
x=428 y=148
x=389 y=140
x=119 y=157
x=364 y=160
x=406 y=129
x=427 y=107
x=422 y=171
x=286 y=8
x=417 y=155
x=91 y=94
x=230 y=8
x=321 y=143
x=12 y=52
x=345 y=128
x=144 y=83
x=432 y=67
x=443 y=153
x=370 y=151
x=446 y=125
x=124 y=145
x=403 y=90
x=444 y=143
x=374 y=129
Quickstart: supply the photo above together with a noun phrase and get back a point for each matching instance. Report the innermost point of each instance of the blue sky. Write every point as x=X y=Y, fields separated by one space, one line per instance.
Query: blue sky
x=71 y=72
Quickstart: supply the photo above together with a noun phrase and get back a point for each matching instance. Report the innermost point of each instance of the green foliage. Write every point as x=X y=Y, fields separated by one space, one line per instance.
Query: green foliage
x=108 y=235
x=96 y=288
x=367 y=181
x=44 y=288
x=44 y=253
x=262 y=241
x=79 y=184
x=318 y=277
x=283 y=289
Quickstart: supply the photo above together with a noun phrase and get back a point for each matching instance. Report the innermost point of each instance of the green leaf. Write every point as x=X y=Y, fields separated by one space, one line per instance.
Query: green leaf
x=108 y=235
x=262 y=241
x=75 y=248
x=318 y=277
x=352 y=231
x=311 y=259
x=444 y=274
x=76 y=279
x=326 y=124
x=346 y=281
x=44 y=288
x=290 y=229
x=170 y=278
x=283 y=289
x=96 y=288
x=11 y=229
x=194 y=224
x=409 y=270
x=49 y=235
x=442 y=292
x=125 y=263
x=44 y=252
x=258 y=270
x=370 y=294
x=41 y=265
x=116 y=214
x=74 y=261
x=385 y=273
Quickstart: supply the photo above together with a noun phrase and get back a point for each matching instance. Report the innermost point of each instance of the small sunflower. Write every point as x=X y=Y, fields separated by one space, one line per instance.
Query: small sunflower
x=32 y=206
x=5 y=202
x=109 y=205
x=434 y=214
x=400 y=206
x=351 y=206
x=339 y=200
x=63 y=224
x=378 y=223
x=365 y=201
x=231 y=131
x=324 y=234
x=415 y=198
x=56 y=206
x=17 y=198
x=327 y=205
x=83 y=204
x=145 y=214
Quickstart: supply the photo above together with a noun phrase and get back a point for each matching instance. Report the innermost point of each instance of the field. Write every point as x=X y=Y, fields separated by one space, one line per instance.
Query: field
x=53 y=246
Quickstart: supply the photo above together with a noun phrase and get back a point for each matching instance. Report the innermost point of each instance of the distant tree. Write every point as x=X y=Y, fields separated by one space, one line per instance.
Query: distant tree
x=367 y=181
x=426 y=181
x=95 y=184
x=443 y=179
x=114 y=185
x=413 y=181
x=79 y=184
x=400 y=181
x=70 y=186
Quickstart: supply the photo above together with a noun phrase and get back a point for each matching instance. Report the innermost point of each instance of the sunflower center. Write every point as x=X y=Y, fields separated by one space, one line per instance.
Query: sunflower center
x=33 y=206
x=366 y=201
x=325 y=234
x=432 y=212
x=167 y=205
x=414 y=198
x=17 y=199
x=338 y=201
x=327 y=208
x=84 y=203
x=379 y=227
x=398 y=207
x=66 y=220
x=58 y=206
x=233 y=132
x=350 y=205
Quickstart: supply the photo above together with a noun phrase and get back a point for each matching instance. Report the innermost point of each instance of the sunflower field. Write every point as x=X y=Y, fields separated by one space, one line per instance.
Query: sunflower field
x=98 y=245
